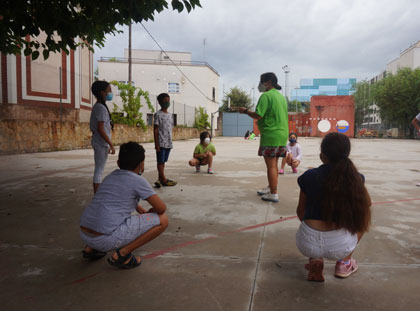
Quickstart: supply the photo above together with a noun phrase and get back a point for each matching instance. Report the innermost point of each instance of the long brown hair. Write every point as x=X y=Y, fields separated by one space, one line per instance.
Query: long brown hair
x=346 y=201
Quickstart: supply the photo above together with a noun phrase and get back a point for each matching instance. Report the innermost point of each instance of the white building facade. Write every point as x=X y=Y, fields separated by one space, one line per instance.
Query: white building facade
x=409 y=58
x=190 y=84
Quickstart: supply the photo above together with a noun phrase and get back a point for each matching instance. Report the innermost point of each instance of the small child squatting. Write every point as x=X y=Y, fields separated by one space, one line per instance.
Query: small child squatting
x=203 y=153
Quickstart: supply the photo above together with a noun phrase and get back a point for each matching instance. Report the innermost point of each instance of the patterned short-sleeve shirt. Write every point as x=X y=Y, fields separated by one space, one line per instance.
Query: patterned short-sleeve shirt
x=165 y=123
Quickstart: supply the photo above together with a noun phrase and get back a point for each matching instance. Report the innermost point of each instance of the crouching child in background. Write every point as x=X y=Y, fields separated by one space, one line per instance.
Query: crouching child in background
x=203 y=153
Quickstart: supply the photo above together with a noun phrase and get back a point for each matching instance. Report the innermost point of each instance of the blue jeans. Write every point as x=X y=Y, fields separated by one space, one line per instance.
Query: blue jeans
x=163 y=155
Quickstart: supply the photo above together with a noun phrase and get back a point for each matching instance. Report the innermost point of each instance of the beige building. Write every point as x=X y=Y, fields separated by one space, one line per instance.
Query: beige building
x=52 y=89
x=410 y=58
x=193 y=85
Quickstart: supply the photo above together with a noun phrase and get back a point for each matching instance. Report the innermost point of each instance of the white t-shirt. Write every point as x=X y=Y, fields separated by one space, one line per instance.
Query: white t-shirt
x=165 y=123
x=295 y=150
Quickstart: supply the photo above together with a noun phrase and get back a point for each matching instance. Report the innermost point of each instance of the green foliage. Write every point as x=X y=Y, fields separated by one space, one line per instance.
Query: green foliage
x=65 y=22
x=398 y=97
x=96 y=74
x=201 y=119
x=363 y=100
x=238 y=98
x=131 y=98
x=297 y=106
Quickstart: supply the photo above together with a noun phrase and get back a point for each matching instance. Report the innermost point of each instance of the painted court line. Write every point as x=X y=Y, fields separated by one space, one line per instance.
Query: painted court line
x=247 y=228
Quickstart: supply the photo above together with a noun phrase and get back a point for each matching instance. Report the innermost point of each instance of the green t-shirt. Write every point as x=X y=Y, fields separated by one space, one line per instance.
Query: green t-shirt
x=274 y=122
x=199 y=149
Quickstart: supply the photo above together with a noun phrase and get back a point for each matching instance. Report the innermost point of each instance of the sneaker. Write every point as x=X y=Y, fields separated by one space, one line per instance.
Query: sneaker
x=281 y=171
x=210 y=171
x=270 y=197
x=294 y=170
x=197 y=169
x=315 y=268
x=343 y=270
x=418 y=184
x=264 y=191
x=168 y=183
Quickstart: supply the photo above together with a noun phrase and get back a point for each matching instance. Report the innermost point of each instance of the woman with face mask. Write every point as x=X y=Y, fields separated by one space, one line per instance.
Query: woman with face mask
x=294 y=154
x=203 y=153
x=101 y=126
x=271 y=113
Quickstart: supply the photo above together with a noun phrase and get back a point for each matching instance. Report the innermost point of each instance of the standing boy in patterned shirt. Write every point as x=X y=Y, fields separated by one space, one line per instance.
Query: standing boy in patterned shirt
x=163 y=124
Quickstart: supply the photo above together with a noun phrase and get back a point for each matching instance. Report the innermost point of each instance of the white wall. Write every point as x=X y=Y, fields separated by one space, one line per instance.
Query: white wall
x=154 y=78
x=158 y=55
x=410 y=58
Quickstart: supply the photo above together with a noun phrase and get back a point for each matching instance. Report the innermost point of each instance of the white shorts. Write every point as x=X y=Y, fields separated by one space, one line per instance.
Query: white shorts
x=335 y=244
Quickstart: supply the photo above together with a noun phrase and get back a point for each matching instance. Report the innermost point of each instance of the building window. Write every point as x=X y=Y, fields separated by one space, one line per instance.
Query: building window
x=214 y=94
x=173 y=87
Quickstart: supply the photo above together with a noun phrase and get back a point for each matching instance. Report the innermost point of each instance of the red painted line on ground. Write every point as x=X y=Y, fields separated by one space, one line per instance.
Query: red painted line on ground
x=194 y=242
x=84 y=279
x=389 y=202
x=169 y=249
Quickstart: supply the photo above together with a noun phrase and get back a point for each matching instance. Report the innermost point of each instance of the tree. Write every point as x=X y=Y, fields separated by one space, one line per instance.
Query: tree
x=201 y=119
x=65 y=22
x=238 y=98
x=398 y=97
x=297 y=106
x=363 y=100
x=131 y=97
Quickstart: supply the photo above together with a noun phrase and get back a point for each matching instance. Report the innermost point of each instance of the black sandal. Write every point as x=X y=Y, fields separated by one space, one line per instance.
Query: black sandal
x=119 y=263
x=93 y=255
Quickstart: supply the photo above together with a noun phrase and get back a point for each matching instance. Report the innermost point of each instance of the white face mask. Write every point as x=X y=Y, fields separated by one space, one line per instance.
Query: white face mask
x=261 y=87
x=207 y=141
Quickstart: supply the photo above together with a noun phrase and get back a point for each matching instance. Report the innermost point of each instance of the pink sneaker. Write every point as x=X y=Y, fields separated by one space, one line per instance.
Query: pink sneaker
x=294 y=170
x=281 y=171
x=343 y=270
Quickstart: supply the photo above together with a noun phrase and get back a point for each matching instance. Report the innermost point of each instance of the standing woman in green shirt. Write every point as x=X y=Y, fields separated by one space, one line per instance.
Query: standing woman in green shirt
x=271 y=113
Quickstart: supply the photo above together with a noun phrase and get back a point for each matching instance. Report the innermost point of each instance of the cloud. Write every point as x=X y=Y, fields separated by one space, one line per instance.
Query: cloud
x=323 y=38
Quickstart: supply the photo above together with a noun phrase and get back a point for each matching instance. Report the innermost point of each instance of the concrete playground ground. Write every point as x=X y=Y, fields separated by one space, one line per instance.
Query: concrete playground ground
x=225 y=249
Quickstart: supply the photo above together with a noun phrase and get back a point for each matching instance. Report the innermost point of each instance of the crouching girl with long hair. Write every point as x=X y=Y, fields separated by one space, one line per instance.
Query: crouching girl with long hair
x=334 y=208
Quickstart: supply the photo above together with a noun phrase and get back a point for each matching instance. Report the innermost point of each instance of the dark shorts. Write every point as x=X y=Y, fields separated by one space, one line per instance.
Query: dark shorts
x=163 y=155
x=272 y=151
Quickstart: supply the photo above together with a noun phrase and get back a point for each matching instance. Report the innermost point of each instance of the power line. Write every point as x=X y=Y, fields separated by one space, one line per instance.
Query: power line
x=173 y=63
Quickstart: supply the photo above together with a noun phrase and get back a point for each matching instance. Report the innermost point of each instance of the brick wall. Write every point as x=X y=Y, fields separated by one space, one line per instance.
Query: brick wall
x=26 y=112
x=24 y=136
x=332 y=109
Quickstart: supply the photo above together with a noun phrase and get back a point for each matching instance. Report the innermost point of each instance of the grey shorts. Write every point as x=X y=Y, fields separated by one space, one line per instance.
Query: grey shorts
x=127 y=232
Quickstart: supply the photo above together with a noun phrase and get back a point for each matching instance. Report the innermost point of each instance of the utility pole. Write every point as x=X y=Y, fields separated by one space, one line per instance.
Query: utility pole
x=129 y=54
x=286 y=70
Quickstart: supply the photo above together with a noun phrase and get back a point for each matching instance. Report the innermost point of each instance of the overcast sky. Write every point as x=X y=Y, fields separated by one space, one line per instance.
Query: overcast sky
x=315 y=38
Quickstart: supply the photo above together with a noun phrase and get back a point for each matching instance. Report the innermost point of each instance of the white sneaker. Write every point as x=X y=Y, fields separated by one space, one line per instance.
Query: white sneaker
x=271 y=197
x=418 y=184
x=264 y=191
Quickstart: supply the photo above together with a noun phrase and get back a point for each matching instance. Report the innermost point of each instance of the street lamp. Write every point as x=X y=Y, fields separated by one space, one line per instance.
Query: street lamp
x=253 y=96
x=286 y=70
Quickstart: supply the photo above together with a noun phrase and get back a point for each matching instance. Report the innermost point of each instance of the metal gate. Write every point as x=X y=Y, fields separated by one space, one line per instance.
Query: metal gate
x=236 y=124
